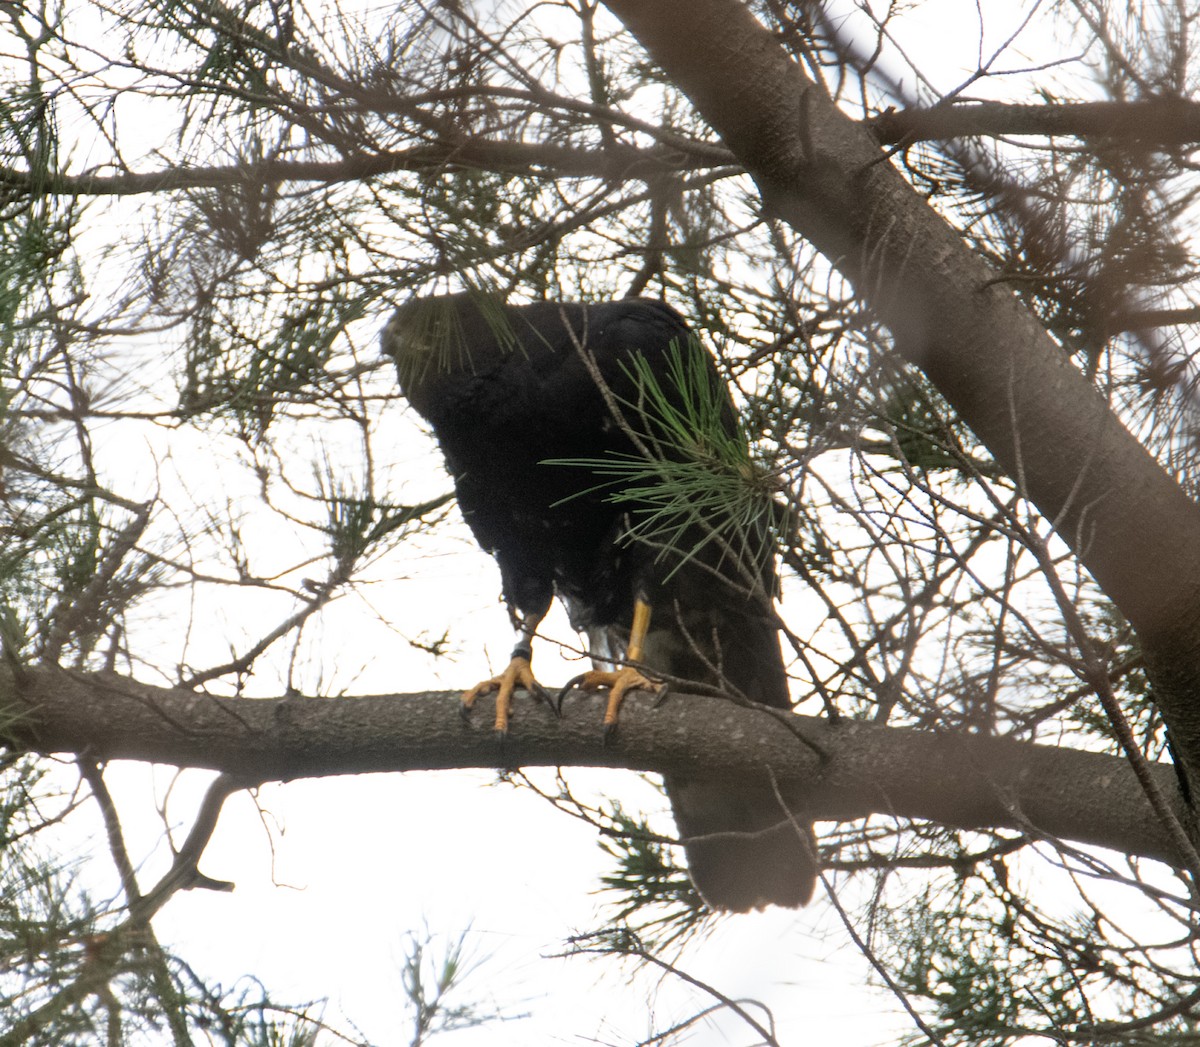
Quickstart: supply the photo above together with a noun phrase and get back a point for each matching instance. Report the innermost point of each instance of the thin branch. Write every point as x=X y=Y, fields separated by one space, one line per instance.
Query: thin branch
x=90 y=770
x=553 y=161
x=184 y=872
x=859 y=942
x=626 y=943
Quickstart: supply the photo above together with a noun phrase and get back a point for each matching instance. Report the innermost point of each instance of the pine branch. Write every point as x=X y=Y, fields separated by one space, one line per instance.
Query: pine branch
x=618 y=162
x=965 y=781
x=1162 y=123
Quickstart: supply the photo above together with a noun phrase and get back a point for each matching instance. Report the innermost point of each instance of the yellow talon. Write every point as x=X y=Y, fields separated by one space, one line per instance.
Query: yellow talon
x=518 y=674
x=619 y=683
x=623 y=680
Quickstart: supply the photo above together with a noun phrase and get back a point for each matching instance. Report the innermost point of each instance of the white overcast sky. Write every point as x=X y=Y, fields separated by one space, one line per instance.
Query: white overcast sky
x=339 y=871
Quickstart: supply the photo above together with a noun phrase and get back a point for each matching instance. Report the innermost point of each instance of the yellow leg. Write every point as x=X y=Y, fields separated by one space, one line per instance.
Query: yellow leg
x=637 y=632
x=518 y=674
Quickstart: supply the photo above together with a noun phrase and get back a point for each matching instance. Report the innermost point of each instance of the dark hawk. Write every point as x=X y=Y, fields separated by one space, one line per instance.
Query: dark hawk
x=526 y=402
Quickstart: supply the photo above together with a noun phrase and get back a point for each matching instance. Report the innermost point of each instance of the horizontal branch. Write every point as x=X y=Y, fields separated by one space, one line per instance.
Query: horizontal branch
x=1144 y=319
x=617 y=162
x=1161 y=122
x=960 y=780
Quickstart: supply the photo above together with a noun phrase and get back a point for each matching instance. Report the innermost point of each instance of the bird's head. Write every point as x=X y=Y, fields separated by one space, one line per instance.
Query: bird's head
x=435 y=336
x=421 y=338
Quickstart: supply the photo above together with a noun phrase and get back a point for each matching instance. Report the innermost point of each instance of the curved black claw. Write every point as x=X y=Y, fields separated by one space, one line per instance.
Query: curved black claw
x=619 y=683
x=610 y=729
x=564 y=691
x=542 y=695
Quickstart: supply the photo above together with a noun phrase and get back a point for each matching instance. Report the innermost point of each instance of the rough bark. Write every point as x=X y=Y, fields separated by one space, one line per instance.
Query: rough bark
x=1128 y=522
x=958 y=780
x=1156 y=122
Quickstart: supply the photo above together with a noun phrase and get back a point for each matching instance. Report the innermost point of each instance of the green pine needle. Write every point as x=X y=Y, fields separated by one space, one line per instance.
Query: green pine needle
x=697 y=482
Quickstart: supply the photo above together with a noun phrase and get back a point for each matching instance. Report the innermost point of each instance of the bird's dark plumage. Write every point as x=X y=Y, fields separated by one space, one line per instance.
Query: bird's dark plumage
x=508 y=389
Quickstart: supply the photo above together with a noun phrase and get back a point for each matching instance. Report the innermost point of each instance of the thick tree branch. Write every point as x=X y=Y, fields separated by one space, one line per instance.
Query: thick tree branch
x=1129 y=523
x=1160 y=123
x=959 y=780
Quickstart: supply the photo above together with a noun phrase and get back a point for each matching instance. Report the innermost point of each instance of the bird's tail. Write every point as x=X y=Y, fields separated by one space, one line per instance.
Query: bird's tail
x=747 y=845
x=744 y=848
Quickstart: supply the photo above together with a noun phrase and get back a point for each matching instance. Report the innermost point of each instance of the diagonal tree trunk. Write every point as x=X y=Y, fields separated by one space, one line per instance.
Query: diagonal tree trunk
x=1128 y=522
